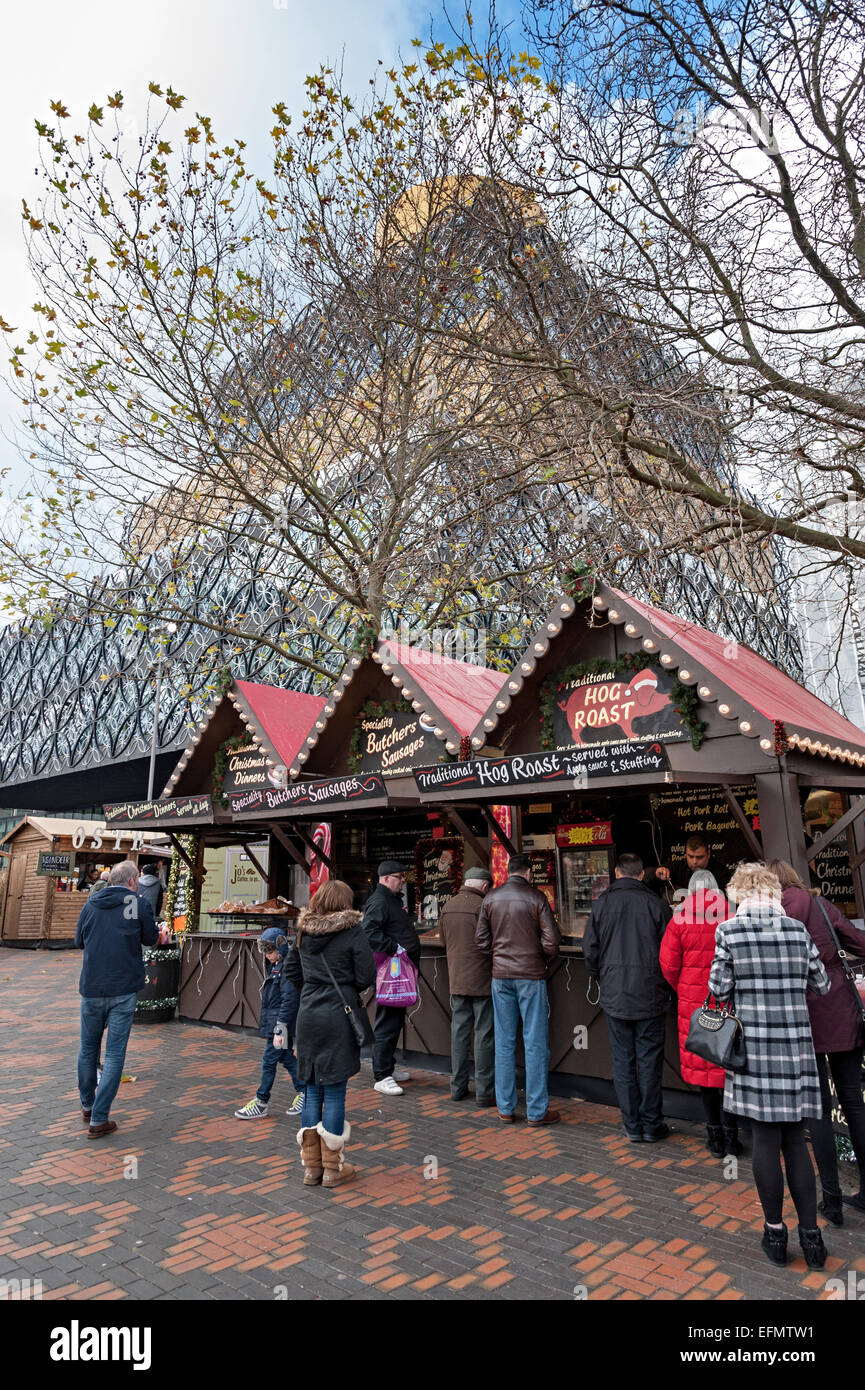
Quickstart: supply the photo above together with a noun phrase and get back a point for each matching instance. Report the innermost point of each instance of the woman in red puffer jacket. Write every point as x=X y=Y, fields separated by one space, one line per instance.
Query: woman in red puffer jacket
x=687 y=952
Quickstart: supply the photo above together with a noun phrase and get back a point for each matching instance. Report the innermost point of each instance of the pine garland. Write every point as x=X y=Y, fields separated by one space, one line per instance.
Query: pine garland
x=683 y=697
x=372 y=709
x=190 y=844
x=365 y=637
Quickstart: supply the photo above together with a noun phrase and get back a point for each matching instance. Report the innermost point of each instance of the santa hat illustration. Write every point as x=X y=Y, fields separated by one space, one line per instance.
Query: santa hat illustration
x=643 y=686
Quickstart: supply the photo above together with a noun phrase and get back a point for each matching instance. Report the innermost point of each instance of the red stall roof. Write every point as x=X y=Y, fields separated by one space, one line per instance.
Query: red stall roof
x=284 y=717
x=768 y=690
x=458 y=690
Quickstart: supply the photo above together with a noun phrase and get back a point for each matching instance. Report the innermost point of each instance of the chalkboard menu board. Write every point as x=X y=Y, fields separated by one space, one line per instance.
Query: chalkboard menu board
x=607 y=708
x=544 y=873
x=55 y=863
x=438 y=865
x=394 y=740
x=831 y=871
x=702 y=811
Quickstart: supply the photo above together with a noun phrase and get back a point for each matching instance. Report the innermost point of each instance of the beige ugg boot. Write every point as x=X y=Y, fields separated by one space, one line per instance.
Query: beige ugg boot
x=310 y=1156
x=336 y=1170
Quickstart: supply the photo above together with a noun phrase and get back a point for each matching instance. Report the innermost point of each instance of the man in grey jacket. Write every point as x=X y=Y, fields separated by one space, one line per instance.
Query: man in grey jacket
x=518 y=928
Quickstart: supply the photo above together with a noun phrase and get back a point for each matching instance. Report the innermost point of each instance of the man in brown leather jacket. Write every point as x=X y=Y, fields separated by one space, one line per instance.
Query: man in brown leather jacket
x=469 y=975
x=517 y=926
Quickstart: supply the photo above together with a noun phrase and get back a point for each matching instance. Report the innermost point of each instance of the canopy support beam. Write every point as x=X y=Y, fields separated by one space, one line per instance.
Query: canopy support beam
x=280 y=835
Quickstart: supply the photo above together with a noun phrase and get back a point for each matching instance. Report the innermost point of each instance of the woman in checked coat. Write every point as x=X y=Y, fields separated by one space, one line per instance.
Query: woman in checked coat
x=765 y=961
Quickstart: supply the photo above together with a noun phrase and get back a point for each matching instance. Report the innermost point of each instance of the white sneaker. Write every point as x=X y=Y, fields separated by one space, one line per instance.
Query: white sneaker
x=400 y=1074
x=388 y=1087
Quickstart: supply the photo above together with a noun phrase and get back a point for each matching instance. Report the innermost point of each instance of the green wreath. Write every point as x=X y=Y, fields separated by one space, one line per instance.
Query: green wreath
x=372 y=709
x=684 y=697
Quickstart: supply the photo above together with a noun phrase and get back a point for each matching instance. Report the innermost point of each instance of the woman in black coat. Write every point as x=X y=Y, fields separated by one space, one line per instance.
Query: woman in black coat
x=328 y=934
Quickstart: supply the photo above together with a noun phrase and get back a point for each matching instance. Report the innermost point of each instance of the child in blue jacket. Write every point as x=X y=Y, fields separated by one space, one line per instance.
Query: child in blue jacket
x=279 y=1001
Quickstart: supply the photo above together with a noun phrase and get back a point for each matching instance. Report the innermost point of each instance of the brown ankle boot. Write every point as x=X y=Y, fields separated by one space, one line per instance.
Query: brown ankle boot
x=310 y=1156
x=336 y=1170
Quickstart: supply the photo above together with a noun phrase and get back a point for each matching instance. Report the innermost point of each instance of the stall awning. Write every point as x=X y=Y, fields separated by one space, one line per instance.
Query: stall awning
x=759 y=685
x=446 y=699
x=460 y=691
x=317 y=797
x=174 y=813
x=761 y=702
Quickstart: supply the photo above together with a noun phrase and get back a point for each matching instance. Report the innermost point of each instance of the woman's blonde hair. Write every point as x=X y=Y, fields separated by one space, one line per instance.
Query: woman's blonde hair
x=753 y=881
x=333 y=896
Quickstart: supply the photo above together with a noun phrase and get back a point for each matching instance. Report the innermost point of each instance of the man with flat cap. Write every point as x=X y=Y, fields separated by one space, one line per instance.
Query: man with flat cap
x=470 y=973
x=389 y=929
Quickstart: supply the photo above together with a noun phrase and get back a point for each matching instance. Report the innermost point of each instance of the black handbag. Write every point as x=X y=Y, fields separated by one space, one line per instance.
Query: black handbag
x=717 y=1036
x=358 y=1018
x=842 y=955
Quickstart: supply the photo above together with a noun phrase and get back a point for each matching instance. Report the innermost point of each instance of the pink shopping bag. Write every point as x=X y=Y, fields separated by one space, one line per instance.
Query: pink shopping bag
x=395 y=980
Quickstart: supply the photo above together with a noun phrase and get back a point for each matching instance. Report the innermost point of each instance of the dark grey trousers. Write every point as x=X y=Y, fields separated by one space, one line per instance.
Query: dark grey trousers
x=472 y=1011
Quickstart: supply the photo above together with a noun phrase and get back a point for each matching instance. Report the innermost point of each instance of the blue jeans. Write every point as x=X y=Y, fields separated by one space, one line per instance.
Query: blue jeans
x=269 y=1063
x=114 y=1013
x=527 y=1000
x=325 y=1104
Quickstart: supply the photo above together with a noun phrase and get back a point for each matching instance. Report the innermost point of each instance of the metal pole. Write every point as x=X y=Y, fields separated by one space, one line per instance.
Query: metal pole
x=155 y=739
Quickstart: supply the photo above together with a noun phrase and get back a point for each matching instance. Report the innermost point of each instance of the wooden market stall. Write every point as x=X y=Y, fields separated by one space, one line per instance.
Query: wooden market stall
x=623 y=728
x=620 y=728
x=243 y=744
x=47 y=858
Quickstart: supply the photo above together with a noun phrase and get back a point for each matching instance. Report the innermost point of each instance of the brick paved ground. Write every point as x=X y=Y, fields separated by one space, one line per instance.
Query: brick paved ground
x=217 y=1209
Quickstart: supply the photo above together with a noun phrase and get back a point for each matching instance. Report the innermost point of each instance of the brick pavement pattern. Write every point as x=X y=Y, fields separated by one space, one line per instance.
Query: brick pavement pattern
x=185 y=1202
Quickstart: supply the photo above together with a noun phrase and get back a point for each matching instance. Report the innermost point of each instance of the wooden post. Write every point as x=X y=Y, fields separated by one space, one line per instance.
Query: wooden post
x=468 y=835
x=198 y=873
x=286 y=843
x=856 y=850
x=782 y=829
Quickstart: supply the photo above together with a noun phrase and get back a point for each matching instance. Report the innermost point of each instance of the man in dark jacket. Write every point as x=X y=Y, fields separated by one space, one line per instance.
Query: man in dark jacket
x=111 y=930
x=389 y=929
x=620 y=947
x=469 y=973
x=518 y=928
x=276 y=1021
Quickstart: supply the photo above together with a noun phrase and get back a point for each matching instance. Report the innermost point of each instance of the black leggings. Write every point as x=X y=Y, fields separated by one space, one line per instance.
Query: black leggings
x=769 y=1142
x=713 y=1098
x=846 y=1069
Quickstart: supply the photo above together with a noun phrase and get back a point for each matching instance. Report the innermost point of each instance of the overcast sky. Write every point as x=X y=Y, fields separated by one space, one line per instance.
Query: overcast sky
x=232 y=59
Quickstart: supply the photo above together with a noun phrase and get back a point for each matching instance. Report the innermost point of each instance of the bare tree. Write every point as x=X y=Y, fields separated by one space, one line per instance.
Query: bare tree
x=224 y=361
x=700 y=165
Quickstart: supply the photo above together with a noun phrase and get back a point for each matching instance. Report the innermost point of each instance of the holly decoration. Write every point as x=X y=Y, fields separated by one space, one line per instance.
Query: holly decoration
x=465 y=749
x=371 y=709
x=365 y=636
x=782 y=743
x=684 y=697
x=578 y=580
